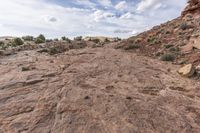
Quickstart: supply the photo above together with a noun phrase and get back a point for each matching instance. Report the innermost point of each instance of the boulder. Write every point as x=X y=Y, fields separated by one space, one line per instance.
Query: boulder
x=187 y=70
x=196 y=43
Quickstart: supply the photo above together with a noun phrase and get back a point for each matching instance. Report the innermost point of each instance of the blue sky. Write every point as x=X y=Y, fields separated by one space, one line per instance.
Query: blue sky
x=56 y=18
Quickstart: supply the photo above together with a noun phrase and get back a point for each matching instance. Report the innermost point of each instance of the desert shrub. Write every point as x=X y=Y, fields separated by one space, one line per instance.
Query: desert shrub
x=153 y=40
x=54 y=50
x=65 y=39
x=39 y=40
x=77 y=45
x=56 y=39
x=17 y=42
x=116 y=39
x=167 y=57
x=174 y=49
x=189 y=16
x=132 y=46
x=57 y=49
x=42 y=37
x=28 y=38
x=119 y=46
x=168 y=46
x=78 y=38
x=25 y=68
x=96 y=40
x=1 y=43
x=167 y=32
x=184 y=26
x=107 y=40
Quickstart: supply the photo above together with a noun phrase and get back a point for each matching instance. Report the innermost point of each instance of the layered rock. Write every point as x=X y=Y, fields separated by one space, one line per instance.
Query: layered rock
x=95 y=90
x=193 y=7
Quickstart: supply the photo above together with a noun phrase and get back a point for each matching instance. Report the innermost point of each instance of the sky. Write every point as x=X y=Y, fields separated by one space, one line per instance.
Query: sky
x=113 y=18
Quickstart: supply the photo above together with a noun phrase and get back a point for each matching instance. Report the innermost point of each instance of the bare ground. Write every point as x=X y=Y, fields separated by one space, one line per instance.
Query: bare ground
x=99 y=90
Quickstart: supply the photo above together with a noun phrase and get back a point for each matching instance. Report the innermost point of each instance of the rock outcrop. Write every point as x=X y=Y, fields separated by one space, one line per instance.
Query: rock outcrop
x=95 y=90
x=192 y=8
x=179 y=37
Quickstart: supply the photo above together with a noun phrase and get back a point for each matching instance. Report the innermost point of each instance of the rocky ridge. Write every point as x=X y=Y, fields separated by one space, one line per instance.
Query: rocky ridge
x=192 y=8
x=178 y=38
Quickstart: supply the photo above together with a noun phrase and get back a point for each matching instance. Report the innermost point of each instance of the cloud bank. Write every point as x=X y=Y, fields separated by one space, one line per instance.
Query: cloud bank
x=56 y=18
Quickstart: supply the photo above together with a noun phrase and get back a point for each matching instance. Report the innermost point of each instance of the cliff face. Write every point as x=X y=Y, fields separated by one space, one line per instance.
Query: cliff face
x=193 y=7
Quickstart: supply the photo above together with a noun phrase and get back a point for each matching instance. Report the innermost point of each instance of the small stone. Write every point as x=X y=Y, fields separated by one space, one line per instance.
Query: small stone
x=62 y=67
x=128 y=98
x=86 y=97
x=187 y=70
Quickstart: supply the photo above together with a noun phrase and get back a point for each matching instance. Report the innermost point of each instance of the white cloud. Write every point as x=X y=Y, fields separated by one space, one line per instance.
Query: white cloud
x=148 y=4
x=31 y=20
x=121 y=5
x=106 y=3
x=22 y=17
x=99 y=15
x=127 y=15
x=85 y=3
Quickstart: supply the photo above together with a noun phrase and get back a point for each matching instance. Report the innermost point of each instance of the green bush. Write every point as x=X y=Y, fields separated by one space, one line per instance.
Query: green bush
x=28 y=38
x=1 y=43
x=167 y=57
x=39 y=40
x=116 y=39
x=153 y=40
x=167 y=32
x=174 y=49
x=17 y=42
x=42 y=37
x=184 y=26
x=57 y=49
x=64 y=38
x=25 y=68
x=79 y=38
x=96 y=40
x=168 y=46
x=132 y=46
